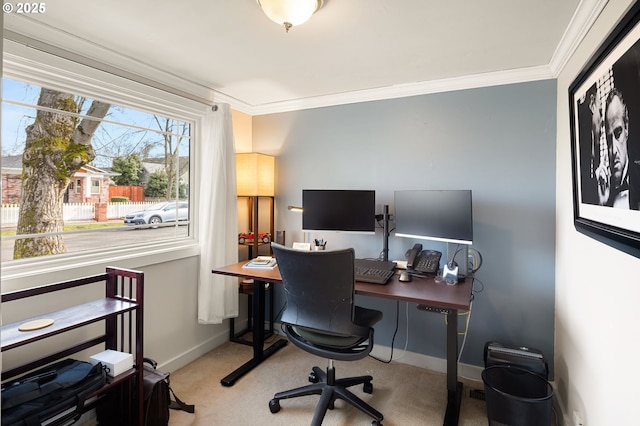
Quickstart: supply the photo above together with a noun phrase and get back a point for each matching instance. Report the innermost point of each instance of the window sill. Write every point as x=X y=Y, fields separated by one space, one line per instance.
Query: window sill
x=82 y=265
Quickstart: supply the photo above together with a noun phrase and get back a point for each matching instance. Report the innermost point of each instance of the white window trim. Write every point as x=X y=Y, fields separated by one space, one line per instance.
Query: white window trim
x=127 y=258
x=37 y=67
x=88 y=186
x=95 y=185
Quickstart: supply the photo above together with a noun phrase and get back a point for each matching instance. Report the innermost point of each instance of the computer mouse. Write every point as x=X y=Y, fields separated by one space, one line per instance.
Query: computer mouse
x=405 y=276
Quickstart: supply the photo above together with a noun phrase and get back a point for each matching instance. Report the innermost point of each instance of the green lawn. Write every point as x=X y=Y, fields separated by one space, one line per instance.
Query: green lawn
x=74 y=227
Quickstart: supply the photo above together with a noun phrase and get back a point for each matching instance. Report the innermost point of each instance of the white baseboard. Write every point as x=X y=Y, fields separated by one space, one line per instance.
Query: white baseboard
x=561 y=412
x=195 y=352
x=467 y=371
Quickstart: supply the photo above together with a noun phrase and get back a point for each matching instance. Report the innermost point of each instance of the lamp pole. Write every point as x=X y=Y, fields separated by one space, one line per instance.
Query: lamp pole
x=255 y=200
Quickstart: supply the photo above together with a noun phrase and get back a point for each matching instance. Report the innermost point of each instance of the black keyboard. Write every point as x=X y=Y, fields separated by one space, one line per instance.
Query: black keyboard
x=374 y=271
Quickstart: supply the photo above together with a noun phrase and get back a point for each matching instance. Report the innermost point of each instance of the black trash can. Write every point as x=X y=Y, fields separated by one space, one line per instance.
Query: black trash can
x=516 y=397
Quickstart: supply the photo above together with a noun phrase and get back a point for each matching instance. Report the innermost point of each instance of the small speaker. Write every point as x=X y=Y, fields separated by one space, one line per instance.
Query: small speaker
x=280 y=237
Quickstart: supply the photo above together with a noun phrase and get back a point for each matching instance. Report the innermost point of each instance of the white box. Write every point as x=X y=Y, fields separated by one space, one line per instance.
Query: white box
x=116 y=362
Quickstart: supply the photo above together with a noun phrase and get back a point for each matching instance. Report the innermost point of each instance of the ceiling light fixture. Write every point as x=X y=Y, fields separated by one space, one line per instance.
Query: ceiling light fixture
x=289 y=13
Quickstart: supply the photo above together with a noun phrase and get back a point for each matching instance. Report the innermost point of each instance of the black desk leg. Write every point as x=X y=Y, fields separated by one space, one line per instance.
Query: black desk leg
x=454 y=387
x=259 y=353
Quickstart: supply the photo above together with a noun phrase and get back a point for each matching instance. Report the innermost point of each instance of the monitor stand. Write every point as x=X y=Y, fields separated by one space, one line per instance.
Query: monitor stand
x=386 y=218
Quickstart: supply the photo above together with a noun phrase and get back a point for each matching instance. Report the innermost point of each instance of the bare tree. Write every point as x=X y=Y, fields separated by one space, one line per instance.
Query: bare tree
x=111 y=143
x=57 y=145
x=171 y=150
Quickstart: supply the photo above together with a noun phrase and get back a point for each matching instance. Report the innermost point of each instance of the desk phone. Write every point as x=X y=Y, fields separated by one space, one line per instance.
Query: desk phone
x=423 y=261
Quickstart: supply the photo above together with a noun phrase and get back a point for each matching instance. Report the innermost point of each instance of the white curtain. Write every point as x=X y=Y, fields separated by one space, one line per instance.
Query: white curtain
x=217 y=216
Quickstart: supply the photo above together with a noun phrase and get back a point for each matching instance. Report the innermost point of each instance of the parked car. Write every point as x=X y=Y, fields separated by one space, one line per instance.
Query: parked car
x=244 y=237
x=159 y=213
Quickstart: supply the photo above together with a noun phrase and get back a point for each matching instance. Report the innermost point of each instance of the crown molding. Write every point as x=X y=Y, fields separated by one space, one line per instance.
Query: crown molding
x=585 y=16
x=396 y=91
x=583 y=19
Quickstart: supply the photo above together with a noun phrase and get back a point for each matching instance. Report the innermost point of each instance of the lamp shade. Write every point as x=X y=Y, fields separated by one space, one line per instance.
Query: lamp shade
x=289 y=13
x=255 y=174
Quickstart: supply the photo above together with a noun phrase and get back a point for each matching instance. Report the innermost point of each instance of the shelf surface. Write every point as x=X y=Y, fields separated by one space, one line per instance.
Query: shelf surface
x=64 y=320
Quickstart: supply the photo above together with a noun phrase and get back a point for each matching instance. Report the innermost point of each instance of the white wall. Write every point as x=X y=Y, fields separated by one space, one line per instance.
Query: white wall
x=597 y=287
x=172 y=335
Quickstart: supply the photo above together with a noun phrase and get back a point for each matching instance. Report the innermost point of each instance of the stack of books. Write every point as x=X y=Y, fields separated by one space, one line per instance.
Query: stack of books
x=268 y=262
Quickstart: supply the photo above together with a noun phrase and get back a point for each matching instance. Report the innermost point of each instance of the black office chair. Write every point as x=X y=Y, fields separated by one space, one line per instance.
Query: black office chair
x=321 y=318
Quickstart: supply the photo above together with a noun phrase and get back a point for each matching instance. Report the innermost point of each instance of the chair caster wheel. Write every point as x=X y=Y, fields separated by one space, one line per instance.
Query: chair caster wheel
x=313 y=378
x=367 y=387
x=274 y=406
x=376 y=423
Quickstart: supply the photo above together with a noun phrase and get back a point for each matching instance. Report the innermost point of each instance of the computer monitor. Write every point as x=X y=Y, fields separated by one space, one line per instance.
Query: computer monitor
x=338 y=210
x=440 y=215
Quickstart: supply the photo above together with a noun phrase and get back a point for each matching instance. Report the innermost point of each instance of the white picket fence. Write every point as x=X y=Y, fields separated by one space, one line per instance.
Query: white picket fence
x=76 y=211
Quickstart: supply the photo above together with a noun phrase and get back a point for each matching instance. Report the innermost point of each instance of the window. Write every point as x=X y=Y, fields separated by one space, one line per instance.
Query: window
x=144 y=140
x=95 y=186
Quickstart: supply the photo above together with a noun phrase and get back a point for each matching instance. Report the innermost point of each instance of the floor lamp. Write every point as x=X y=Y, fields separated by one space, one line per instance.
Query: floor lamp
x=255 y=175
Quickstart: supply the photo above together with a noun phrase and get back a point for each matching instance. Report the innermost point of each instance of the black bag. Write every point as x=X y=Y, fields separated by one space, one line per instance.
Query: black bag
x=59 y=388
x=157 y=396
x=157 y=401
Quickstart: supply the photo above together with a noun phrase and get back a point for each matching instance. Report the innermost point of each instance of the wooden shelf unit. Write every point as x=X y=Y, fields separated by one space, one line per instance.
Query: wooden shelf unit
x=121 y=310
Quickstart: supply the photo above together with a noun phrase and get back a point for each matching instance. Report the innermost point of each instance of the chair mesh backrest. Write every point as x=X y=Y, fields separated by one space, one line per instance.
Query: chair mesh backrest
x=319 y=289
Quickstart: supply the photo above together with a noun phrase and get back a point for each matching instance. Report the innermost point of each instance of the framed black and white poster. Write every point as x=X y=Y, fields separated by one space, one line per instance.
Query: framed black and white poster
x=605 y=137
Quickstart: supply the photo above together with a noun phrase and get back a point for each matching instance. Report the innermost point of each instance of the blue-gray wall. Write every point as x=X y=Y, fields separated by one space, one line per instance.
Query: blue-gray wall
x=497 y=141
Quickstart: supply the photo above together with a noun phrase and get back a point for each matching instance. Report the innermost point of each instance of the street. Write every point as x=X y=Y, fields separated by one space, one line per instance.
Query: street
x=109 y=237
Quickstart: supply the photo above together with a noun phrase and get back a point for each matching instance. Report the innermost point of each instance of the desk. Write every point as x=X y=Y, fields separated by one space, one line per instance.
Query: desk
x=444 y=298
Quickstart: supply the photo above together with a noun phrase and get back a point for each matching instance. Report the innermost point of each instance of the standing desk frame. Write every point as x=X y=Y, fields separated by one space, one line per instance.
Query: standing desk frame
x=444 y=298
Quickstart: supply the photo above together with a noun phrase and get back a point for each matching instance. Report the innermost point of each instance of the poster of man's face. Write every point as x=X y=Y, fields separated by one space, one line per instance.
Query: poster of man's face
x=605 y=138
x=608 y=146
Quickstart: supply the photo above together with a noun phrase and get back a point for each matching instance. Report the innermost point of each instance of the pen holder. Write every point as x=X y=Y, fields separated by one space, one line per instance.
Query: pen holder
x=318 y=248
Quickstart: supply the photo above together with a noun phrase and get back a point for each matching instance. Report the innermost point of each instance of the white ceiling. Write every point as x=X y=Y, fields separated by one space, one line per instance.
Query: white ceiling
x=350 y=50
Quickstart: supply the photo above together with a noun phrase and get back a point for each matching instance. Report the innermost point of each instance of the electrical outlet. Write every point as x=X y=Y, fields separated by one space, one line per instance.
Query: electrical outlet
x=577 y=419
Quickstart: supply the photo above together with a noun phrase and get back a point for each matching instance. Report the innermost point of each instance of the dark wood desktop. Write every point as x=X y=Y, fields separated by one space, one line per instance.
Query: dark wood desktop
x=437 y=296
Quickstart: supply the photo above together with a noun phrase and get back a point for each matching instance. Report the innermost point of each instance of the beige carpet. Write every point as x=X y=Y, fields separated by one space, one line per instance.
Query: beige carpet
x=405 y=395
